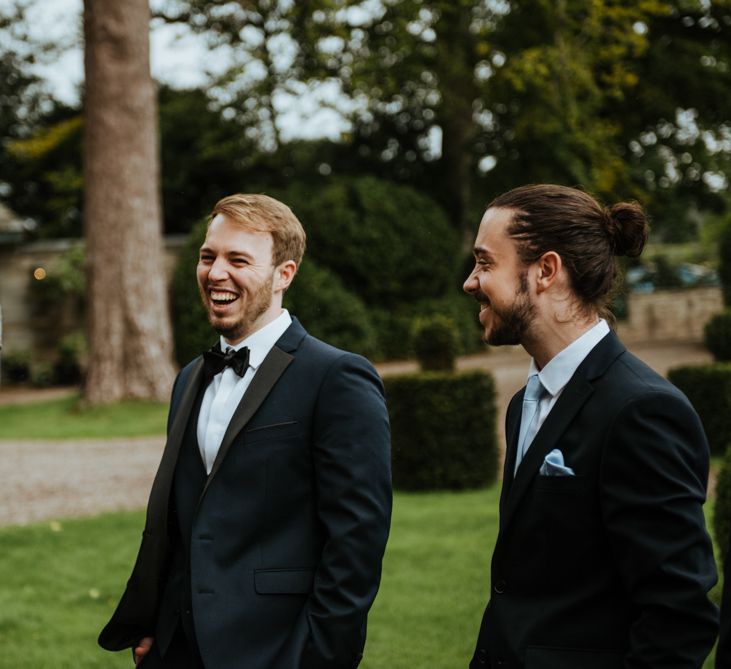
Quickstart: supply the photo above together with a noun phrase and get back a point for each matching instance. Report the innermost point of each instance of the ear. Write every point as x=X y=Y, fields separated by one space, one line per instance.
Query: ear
x=549 y=268
x=284 y=274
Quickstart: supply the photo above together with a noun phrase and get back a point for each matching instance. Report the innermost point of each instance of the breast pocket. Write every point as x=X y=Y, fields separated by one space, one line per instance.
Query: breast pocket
x=274 y=431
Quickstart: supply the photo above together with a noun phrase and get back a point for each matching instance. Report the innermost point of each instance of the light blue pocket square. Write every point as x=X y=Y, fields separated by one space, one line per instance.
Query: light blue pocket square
x=553 y=465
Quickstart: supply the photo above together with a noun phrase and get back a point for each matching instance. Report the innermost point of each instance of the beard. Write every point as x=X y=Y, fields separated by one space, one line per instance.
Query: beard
x=236 y=328
x=512 y=322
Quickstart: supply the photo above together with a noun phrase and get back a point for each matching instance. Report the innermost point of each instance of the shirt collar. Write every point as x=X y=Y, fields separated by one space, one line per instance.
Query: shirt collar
x=559 y=370
x=262 y=341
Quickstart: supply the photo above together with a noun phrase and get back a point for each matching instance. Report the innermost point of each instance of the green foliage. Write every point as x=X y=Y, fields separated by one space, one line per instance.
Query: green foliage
x=67 y=418
x=717 y=336
x=69 y=363
x=65 y=283
x=203 y=157
x=724 y=265
x=436 y=343
x=329 y=311
x=42 y=375
x=395 y=327
x=708 y=387
x=15 y=366
x=192 y=333
x=722 y=509
x=443 y=430
x=389 y=244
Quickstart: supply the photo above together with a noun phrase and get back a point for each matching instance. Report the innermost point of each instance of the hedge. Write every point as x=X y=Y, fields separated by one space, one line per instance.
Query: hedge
x=435 y=341
x=331 y=312
x=443 y=430
x=708 y=387
x=389 y=244
x=717 y=336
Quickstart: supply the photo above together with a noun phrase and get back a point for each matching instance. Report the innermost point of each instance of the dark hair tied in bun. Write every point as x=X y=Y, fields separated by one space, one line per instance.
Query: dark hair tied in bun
x=627 y=228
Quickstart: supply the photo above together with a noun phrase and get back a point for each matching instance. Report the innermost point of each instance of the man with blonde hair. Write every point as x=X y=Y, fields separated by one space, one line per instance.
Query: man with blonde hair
x=269 y=514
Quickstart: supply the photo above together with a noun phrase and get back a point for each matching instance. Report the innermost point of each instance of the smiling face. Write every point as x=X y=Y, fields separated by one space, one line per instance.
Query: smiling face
x=499 y=282
x=240 y=287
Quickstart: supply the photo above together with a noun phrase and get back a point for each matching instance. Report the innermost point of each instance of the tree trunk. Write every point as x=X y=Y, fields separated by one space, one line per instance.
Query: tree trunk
x=130 y=335
x=455 y=71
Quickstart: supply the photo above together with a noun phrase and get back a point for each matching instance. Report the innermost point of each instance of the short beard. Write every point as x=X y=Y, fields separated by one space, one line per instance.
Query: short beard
x=512 y=323
x=259 y=302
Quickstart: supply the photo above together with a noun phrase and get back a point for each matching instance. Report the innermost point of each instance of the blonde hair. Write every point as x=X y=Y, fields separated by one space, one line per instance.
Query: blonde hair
x=261 y=213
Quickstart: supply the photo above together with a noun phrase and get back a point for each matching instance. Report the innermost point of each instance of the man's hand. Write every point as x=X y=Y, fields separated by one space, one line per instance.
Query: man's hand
x=142 y=648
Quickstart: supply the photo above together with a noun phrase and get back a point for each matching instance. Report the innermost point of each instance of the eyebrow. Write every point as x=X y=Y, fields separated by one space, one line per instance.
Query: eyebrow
x=228 y=254
x=481 y=251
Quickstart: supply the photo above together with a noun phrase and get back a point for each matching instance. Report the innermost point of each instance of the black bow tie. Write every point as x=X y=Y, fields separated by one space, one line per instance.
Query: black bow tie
x=214 y=361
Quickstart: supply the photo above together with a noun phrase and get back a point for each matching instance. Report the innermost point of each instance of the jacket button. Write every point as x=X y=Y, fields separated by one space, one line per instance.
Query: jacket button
x=481 y=656
x=500 y=586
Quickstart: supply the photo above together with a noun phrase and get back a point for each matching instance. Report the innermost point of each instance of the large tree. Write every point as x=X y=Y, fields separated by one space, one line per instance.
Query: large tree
x=129 y=322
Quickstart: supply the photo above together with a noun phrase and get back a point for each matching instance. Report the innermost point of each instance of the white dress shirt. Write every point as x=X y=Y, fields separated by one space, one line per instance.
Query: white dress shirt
x=559 y=370
x=225 y=391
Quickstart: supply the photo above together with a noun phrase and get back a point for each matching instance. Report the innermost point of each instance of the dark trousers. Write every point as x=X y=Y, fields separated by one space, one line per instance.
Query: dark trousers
x=181 y=654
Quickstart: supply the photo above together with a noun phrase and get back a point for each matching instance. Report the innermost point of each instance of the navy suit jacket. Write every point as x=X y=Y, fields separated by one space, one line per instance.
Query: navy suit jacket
x=610 y=568
x=723 y=652
x=291 y=526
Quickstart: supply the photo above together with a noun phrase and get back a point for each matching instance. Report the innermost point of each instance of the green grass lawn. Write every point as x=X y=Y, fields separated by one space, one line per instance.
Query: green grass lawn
x=61 y=581
x=66 y=419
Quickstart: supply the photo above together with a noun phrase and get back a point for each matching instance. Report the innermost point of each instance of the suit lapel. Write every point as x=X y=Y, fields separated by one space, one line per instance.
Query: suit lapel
x=578 y=390
x=266 y=376
x=272 y=367
x=160 y=493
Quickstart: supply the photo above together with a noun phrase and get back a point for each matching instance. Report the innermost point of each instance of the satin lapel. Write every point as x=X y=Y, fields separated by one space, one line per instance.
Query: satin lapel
x=576 y=392
x=160 y=493
x=512 y=429
x=266 y=376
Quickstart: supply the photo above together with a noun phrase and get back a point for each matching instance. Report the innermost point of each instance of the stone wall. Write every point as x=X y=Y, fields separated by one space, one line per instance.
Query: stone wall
x=670 y=315
x=25 y=327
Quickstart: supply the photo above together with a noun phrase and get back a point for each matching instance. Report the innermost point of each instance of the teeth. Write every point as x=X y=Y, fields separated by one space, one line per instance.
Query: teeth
x=222 y=297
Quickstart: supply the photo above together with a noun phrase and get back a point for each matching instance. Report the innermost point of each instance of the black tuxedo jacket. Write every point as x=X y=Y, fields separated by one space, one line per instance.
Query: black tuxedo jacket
x=723 y=652
x=610 y=568
x=287 y=533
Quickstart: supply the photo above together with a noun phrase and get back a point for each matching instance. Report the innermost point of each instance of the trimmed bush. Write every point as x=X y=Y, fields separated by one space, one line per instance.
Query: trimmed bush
x=717 y=336
x=436 y=343
x=329 y=311
x=443 y=430
x=395 y=327
x=722 y=509
x=708 y=387
x=389 y=244
x=68 y=366
x=15 y=367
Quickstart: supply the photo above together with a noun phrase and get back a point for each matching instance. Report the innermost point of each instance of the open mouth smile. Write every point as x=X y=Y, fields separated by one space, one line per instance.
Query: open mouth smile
x=222 y=298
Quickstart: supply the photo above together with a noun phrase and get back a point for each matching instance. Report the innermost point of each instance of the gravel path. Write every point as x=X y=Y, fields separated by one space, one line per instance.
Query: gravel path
x=45 y=479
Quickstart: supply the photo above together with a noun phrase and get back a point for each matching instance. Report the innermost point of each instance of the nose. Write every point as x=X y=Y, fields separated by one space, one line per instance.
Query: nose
x=471 y=284
x=218 y=270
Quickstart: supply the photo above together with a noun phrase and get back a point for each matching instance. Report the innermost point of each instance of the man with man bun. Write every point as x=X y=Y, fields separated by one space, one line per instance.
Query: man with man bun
x=602 y=559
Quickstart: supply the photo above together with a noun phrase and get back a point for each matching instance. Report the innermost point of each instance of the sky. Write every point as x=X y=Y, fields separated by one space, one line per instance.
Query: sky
x=178 y=58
